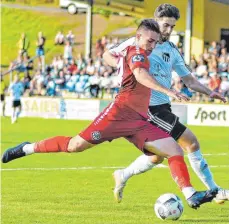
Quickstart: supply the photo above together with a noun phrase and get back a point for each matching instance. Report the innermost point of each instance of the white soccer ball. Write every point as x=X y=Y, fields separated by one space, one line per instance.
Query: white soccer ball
x=168 y=207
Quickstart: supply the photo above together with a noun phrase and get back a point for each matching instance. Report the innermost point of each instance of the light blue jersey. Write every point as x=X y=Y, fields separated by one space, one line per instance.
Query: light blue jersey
x=16 y=90
x=163 y=60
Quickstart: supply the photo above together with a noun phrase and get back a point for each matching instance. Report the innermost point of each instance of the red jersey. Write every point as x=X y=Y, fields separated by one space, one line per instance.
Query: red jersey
x=133 y=94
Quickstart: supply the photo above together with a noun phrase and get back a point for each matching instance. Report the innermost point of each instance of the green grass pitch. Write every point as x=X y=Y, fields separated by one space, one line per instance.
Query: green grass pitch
x=84 y=196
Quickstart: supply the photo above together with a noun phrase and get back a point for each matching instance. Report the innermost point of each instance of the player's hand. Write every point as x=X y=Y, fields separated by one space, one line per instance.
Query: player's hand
x=178 y=96
x=218 y=96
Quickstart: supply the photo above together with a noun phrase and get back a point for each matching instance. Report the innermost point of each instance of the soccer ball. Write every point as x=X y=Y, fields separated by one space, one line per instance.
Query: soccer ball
x=168 y=206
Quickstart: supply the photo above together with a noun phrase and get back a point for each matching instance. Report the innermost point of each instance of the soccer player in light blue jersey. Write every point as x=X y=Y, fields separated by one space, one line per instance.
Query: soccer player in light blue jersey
x=16 y=90
x=163 y=60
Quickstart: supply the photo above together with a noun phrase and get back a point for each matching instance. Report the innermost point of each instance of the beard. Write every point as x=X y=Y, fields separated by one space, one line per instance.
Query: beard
x=164 y=38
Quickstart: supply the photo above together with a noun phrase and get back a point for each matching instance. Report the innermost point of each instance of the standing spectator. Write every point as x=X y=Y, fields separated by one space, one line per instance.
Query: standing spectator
x=40 y=52
x=23 y=44
x=59 y=38
x=70 y=37
x=68 y=51
x=16 y=91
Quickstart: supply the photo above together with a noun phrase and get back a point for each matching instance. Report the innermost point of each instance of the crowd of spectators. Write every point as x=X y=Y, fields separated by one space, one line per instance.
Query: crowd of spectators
x=74 y=75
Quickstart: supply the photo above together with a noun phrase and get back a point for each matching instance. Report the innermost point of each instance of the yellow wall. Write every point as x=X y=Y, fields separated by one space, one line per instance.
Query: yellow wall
x=197 y=41
x=151 y=5
x=216 y=17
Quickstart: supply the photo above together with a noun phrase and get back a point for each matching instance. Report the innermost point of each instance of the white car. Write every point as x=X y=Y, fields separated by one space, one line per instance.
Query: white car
x=74 y=6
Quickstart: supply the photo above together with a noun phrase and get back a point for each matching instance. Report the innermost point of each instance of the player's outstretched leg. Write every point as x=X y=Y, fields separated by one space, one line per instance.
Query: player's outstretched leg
x=142 y=164
x=179 y=171
x=50 y=145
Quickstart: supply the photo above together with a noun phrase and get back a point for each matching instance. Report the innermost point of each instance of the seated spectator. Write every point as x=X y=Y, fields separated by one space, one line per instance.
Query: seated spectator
x=224 y=87
x=70 y=37
x=90 y=68
x=60 y=80
x=68 y=51
x=215 y=82
x=206 y=55
x=59 y=38
x=72 y=67
x=214 y=48
x=18 y=64
x=105 y=84
x=201 y=68
x=37 y=83
x=193 y=63
x=222 y=66
x=94 y=85
x=80 y=62
x=99 y=48
x=60 y=62
x=26 y=81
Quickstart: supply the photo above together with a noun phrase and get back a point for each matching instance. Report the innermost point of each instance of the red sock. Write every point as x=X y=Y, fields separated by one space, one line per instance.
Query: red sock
x=55 y=144
x=179 y=171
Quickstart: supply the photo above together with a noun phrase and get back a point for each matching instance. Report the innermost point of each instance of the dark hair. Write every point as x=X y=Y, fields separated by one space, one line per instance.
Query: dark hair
x=167 y=10
x=149 y=24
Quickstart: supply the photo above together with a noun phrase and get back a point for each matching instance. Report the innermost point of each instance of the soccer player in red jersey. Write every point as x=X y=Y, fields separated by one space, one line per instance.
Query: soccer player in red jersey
x=127 y=117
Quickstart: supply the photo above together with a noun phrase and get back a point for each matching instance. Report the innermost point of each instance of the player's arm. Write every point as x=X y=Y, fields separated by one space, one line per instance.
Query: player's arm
x=111 y=56
x=192 y=83
x=185 y=74
x=143 y=77
x=110 y=59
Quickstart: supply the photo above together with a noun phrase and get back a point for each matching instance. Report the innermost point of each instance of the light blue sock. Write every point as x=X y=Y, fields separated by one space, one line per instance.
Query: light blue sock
x=200 y=167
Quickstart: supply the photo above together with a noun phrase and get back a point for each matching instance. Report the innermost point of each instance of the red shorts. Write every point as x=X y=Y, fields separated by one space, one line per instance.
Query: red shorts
x=116 y=121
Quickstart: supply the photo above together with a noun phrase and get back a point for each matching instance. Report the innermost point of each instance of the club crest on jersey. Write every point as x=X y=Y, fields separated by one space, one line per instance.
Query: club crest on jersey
x=138 y=58
x=96 y=135
x=166 y=57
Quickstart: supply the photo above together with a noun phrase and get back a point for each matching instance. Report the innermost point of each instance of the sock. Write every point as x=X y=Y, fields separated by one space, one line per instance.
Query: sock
x=200 y=166
x=142 y=164
x=55 y=144
x=179 y=171
x=28 y=148
x=188 y=192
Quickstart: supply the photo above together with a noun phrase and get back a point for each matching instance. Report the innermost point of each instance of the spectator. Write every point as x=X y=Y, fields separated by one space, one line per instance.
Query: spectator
x=224 y=87
x=40 y=52
x=68 y=51
x=23 y=44
x=201 y=68
x=94 y=85
x=193 y=63
x=90 y=68
x=70 y=37
x=59 y=38
x=215 y=82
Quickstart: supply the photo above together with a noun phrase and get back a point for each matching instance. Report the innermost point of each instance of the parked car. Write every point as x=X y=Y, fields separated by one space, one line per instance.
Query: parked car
x=74 y=6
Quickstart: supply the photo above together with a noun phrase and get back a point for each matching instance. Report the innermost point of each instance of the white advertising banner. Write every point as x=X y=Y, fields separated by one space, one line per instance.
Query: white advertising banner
x=36 y=107
x=208 y=115
x=79 y=109
x=56 y=108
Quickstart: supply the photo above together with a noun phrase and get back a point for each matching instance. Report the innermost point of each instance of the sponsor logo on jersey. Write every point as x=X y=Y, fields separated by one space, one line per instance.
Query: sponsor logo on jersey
x=96 y=135
x=166 y=57
x=138 y=58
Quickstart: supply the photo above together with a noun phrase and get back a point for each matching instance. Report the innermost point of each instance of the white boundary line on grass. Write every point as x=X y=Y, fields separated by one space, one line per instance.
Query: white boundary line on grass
x=90 y=168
